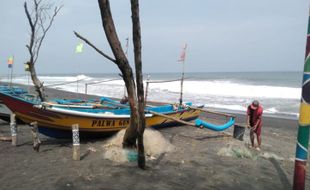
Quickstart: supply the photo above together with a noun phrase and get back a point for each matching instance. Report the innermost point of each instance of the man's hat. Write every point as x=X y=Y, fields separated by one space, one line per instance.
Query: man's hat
x=254 y=104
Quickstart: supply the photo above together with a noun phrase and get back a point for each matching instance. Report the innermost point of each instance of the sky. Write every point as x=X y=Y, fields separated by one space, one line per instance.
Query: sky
x=222 y=36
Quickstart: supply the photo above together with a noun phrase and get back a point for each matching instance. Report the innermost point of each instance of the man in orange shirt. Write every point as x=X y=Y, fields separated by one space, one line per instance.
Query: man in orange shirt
x=254 y=122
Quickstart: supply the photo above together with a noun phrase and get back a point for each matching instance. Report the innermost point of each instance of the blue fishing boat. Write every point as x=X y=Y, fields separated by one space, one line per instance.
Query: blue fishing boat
x=56 y=117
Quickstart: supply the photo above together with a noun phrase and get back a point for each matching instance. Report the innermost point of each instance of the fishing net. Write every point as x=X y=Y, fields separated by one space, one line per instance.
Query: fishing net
x=154 y=145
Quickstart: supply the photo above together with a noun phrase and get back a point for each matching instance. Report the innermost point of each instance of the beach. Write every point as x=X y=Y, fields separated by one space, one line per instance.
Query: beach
x=199 y=159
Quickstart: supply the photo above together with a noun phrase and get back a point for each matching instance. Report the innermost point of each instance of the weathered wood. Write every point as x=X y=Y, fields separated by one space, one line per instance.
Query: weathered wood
x=93 y=46
x=136 y=32
x=76 y=142
x=13 y=129
x=35 y=136
x=122 y=62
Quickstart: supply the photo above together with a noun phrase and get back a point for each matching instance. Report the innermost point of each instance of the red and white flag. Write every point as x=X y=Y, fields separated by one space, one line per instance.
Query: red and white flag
x=183 y=53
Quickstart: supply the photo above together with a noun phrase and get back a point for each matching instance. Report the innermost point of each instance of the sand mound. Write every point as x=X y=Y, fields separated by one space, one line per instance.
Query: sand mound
x=154 y=145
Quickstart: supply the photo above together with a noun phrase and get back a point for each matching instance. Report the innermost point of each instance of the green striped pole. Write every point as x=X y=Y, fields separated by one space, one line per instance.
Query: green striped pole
x=304 y=123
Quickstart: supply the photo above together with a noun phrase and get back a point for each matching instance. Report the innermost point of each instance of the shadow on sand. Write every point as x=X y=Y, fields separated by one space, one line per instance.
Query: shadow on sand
x=282 y=175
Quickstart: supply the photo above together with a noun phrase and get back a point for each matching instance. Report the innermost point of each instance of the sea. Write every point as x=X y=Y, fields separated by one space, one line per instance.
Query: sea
x=278 y=92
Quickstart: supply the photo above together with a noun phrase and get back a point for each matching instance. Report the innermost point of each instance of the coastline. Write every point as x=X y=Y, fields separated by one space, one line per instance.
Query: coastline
x=202 y=159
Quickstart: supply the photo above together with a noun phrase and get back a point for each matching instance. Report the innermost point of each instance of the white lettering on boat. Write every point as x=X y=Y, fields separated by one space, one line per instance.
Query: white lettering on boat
x=109 y=123
x=103 y=123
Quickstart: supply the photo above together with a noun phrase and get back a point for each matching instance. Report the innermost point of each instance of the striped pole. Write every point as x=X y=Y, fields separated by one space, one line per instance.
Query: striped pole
x=76 y=142
x=304 y=123
x=13 y=129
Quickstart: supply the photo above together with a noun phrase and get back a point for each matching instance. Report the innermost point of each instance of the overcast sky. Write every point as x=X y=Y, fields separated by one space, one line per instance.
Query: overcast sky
x=222 y=35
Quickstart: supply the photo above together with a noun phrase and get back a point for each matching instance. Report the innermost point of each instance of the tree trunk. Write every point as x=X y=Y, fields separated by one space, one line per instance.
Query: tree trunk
x=38 y=85
x=130 y=137
x=37 y=20
x=139 y=79
x=122 y=63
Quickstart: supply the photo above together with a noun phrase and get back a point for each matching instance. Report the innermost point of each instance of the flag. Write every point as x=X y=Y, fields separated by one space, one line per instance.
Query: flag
x=26 y=67
x=79 y=48
x=182 y=56
x=10 y=61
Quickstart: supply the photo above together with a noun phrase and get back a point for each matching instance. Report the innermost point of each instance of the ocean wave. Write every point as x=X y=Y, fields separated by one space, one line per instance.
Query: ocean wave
x=218 y=94
x=230 y=89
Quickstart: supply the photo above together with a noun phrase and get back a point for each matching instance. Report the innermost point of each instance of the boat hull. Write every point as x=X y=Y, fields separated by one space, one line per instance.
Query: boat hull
x=4 y=112
x=58 y=125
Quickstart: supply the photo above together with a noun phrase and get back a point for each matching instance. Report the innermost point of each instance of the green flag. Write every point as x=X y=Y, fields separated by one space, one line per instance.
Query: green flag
x=26 y=67
x=10 y=61
x=79 y=48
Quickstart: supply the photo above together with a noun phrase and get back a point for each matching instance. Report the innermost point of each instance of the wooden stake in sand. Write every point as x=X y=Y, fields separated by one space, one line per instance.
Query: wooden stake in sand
x=76 y=142
x=13 y=129
x=35 y=136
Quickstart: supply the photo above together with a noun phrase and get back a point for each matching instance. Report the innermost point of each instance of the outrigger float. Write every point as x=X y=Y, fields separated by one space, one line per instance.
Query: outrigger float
x=55 y=118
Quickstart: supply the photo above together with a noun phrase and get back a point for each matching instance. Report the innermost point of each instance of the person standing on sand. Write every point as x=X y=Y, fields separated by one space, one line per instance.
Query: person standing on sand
x=254 y=122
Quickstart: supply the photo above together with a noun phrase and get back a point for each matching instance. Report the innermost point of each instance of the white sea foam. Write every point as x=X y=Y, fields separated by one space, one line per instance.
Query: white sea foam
x=217 y=94
x=272 y=110
x=227 y=107
x=230 y=89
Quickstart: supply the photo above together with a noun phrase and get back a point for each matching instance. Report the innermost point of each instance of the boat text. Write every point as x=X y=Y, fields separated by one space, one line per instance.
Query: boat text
x=109 y=123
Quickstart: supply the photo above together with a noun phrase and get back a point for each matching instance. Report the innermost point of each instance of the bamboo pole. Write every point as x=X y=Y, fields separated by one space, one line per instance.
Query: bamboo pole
x=183 y=122
x=11 y=77
x=13 y=129
x=213 y=112
x=35 y=136
x=172 y=118
x=182 y=58
x=76 y=142
x=304 y=123
x=86 y=88
x=146 y=89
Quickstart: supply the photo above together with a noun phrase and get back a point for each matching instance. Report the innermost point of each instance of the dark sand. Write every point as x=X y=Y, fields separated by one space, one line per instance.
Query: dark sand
x=202 y=159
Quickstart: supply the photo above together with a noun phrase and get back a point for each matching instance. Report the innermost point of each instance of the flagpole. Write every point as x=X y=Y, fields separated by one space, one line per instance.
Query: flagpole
x=27 y=72
x=182 y=58
x=78 y=49
x=182 y=79
x=28 y=80
x=11 y=77
x=304 y=123
x=8 y=76
x=146 y=89
x=126 y=53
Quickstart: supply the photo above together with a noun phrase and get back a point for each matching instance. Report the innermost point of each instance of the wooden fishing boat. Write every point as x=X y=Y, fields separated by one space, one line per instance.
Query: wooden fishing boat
x=5 y=112
x=57 y=121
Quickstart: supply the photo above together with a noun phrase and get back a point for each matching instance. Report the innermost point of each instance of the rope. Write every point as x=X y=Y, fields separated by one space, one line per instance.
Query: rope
x=102 y=81
x=163 y=81
x=64 y=83
x=213 y=112
x=172 y=118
